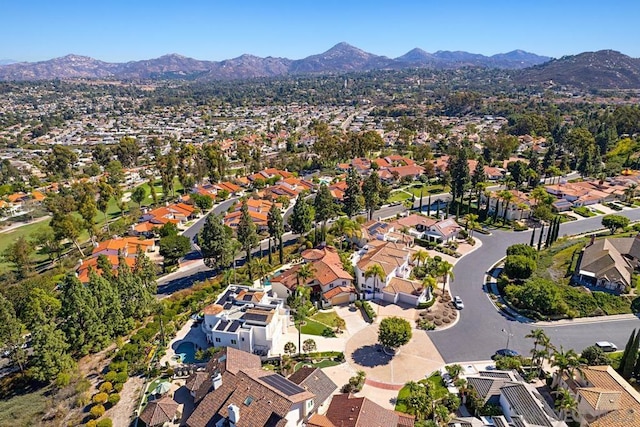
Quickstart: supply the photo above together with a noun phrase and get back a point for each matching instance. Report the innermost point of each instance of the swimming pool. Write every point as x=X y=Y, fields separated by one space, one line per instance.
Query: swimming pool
x=187 y=352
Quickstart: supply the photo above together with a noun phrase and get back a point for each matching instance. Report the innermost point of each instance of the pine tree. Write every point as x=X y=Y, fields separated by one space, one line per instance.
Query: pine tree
x=246 y=232
x=429 y=206
x=631 y=358
x=533 y=234
x=540 y=238
x=135 y=297
x=627 y=351
x=301 y=218
x=108 y=305
x=371 y=192
x=50 y=352
x=215 y=242
x=353 y=194
x=420 y=200
x=11 y=337
x=275 y=225
x=85 y=332
x=324 y=205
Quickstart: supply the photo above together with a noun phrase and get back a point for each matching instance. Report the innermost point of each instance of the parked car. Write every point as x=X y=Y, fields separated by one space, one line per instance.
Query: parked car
x=506 y=352
x=457 y=302
x=607 y=346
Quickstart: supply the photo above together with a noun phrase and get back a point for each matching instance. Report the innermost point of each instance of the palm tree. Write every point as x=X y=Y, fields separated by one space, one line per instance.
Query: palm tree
x=420 y=256
x=429 y=282
x=445 y=269
x=507 y=197
x=304 y=273
x=300 y=303
x=565 y=403
x=260 y=267
x=346 y=228
x=472 y=223
x=377 y=272
x=566 y=362
x=537 y=335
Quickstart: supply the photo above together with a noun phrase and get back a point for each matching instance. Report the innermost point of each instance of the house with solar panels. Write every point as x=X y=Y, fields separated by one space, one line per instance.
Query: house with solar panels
x=248 y=319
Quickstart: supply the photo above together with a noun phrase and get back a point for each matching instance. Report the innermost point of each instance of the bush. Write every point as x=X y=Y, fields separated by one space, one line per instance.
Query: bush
x=105 y=422
x=114 y=399
x=366 y=307
x=110 y=376
x=584 y=212
x=82 y=399
x=100 y=398
x=519 y=227
x=427 y=304
x=97 y=411
x=121 y=378
x=328 y=333
x=106 y=387
x=91 y=423
x=426 y=325
x=519 y=267
x=118 y=387
x=522 y=249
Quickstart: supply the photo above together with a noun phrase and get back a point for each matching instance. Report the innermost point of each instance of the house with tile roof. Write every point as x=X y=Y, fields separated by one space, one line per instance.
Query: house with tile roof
x=162 y=412
x=331 y=283
x=346 y=410
x=520 y=402
x=238 y=392
x=608 y=263
x=518 y=208
x=247 y=319
x=113 y=249
x=605 y=399
x=395 y=286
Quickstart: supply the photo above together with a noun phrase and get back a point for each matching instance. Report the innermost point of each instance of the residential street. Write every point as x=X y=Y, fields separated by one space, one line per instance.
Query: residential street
x=478 y=334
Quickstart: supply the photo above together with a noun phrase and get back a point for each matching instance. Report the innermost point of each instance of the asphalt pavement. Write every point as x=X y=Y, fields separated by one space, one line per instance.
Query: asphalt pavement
x=482 y=330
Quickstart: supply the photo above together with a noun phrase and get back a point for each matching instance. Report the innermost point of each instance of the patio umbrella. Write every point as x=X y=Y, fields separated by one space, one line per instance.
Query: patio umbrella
x=162 y=388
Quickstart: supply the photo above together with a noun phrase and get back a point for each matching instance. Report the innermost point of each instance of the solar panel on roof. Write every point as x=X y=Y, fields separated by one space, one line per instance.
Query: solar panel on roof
x=222 y=325
x=234 y=326
x=282 y=384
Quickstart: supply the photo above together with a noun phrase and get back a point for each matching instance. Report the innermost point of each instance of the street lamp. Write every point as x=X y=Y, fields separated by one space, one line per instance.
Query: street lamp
x=509 y=335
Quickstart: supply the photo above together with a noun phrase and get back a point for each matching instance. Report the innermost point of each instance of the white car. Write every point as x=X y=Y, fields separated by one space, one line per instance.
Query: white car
x=457 y=302
x=607 y=346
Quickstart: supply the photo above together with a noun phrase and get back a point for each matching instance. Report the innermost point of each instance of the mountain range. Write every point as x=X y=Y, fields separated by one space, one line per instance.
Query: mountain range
x=605 y=69
x=340 y=58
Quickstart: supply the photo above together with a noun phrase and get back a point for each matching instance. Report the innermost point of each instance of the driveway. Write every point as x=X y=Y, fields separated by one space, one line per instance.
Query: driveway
x=415 y=360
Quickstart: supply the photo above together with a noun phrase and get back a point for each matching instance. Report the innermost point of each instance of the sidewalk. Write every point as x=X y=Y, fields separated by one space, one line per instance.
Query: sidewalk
x=582 y=320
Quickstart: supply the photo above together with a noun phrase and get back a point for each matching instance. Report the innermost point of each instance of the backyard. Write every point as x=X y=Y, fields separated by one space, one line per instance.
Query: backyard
x=437 y=388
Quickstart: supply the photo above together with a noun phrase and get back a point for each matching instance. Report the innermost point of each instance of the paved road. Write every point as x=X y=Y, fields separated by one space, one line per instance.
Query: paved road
x=193 y=231
x=478 y=333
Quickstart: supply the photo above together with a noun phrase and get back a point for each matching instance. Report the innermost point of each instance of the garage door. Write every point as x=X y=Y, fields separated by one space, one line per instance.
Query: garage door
x=340 y=299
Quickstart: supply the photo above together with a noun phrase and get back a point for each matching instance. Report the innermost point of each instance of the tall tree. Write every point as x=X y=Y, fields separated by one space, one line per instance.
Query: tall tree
x=215 y=242
x=394 y=332
x=301 y=218
x=107 y=305
x=50 y=352
x=445 y=269
x=377 y=272
x=352 y=199
x=105 y=193
x=371 y=192
x=246 y=233
x=11 y=334
x=324 y=205
x=301 y=306
x=19 y=253
x=275 y=224
x=138 y=195
x=85 y=332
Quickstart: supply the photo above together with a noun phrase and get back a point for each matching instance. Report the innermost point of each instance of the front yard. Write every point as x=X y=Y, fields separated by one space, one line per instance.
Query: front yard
x=436 y=386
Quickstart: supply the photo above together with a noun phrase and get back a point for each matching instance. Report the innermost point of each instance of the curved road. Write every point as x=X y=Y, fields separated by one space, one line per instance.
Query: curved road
x=478 y=333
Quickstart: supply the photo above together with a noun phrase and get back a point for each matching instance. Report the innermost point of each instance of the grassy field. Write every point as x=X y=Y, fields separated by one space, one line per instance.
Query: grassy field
x=24 y=409
x=398 y=196
x=426 y=189
x=312 y=327
x=327 y=317
x=438 y=391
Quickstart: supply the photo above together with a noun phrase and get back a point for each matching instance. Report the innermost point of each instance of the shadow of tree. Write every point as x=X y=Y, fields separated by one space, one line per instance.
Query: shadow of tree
x=370 y=356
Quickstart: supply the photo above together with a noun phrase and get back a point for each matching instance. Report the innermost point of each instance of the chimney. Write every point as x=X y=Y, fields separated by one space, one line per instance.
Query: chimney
x=216 y=381
x=234 y=414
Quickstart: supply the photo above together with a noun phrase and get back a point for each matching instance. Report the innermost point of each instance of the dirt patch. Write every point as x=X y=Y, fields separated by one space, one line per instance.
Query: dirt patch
x=123 y=412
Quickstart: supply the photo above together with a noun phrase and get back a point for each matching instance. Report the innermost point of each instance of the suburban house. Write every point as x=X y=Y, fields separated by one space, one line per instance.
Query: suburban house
x=258 y=211
x=608 y=263
x=177 y=213
x=227 y=186
x=248 y=319
x=378 y=230
x=162 y=412
x=346 y=410
x=604 y=398
x=395 y=286
x=330 y=282
x=238 y=392
x=269 y=173
x=113 y=249
x=518 y=208
x=338 y=189
x=428 y=228
x=521 y=403
x=583 y=193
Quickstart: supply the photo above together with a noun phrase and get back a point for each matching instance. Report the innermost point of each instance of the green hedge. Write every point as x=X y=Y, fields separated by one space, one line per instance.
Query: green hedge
x=427 y=304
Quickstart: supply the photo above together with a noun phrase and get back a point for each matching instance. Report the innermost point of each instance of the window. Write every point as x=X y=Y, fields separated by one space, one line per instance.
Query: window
x=331 y=285
x=242 y=338
x=344 y=283
x=234 y=342
x=217 y=339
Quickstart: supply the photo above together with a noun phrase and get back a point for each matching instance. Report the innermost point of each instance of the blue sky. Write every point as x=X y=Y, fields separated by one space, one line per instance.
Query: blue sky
x=119 y=30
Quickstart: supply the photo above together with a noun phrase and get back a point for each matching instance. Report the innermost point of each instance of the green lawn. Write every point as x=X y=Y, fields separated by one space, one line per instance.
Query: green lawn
x=312 y=327
x=415 y=189
x=438 y=391
x=325 y=363
x=326 y=317
x=398 y=196
x=25 y=231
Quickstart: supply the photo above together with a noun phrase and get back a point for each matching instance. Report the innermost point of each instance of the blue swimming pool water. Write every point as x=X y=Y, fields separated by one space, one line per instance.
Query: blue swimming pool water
x=187 y=352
